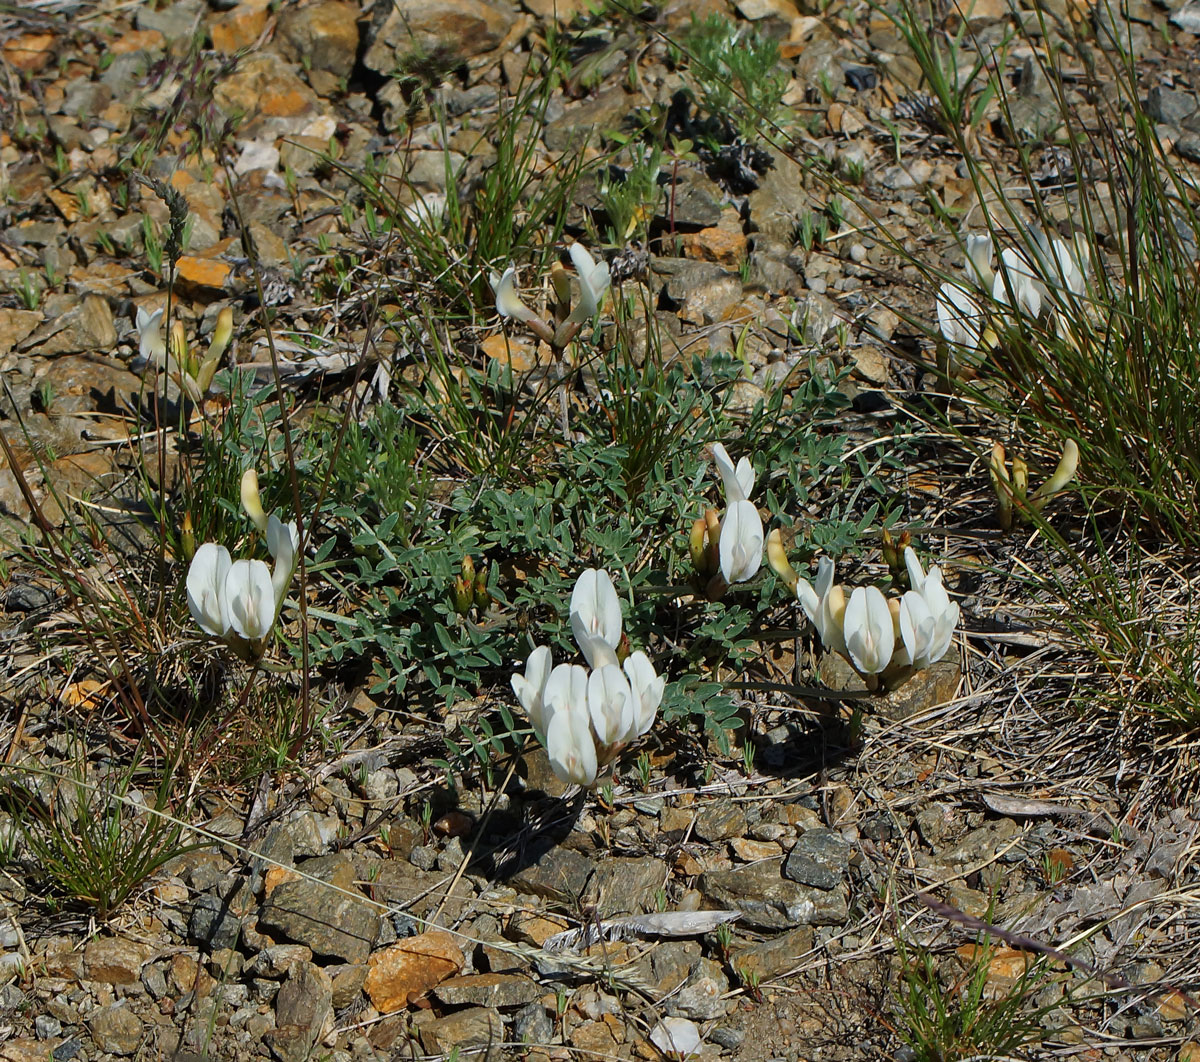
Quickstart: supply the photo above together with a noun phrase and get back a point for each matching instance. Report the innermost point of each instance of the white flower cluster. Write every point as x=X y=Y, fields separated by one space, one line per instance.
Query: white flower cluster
x=239 y=601
x=877 y=634
x=585 y=719
x=594 y=281
x=1028 y=281
x=727 y=548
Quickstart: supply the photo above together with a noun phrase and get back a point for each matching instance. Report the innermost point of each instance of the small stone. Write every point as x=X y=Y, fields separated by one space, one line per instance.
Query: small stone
x=82 y=326
x=324 y=35
x=467 y=1031
x=204 y=275
x=720 y=820
x=45 y=1027
x=532 y=1025
x=1170 y=105
x=348 y=983
x=768 y=901
x=715 y=245
x=596 y=1039
x=114 y=960
x=461 y=28
x=277 y=960
x=237 y=28
x=116 y=1029
x=623 y=886
x=303 y=1013
x=871 y=364
x=820 y=858
x=750 y=851
x=700 y=998
x=212 y=923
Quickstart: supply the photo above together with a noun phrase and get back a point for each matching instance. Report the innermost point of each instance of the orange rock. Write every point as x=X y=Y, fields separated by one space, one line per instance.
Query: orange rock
x=136 y=41
x=277 y=876
x=715 y=245
x=207 y=273
x=66 y=204
x=410 y=968
x=29 y=52
x=509 y=350
x=237 y=28
x=1173 y=1007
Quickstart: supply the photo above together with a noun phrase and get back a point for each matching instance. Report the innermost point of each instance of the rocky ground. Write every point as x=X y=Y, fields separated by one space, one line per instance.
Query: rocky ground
x=358 y=908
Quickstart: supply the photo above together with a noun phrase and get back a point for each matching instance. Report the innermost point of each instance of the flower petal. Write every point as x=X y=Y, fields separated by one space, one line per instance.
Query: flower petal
x=741 y=542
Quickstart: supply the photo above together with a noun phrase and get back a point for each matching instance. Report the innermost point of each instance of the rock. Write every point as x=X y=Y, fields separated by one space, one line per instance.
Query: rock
x=773 y=957
x=442 y=29
x=1170 y=105
x=329 y=921
x=559 y=874
x=715 y=245
x=705 y=293
x=82 y=325
x=676 y=1037
x=15 y=325
x=270 y=93
x=693 y=202
x=348 y=983
x=238 y=27
x=476 y=1033
x=277 y=960
x=303 y=1013
x=623 y=886
x=410 y=968
x=212 y=923
x=532 y=1025
x=820 y=858
x=921 y=691
x=597 y=1039
x=769 y=901
x=203 y=276
x=1187 y=18
x=323 y=35
x=116 y=1029
x=488 y=990
x=751 y=851
x=720 y=820
x=871 y=364
x=700 y=998
x=115 y=960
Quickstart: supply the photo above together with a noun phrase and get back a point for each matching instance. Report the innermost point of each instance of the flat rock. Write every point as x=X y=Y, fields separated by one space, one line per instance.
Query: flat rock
x=116 y=1029
x=624 y=885
x=115 y=960
x=410 y=968
x=461 y=29
x=769 y=901
x=558 y=874
x=82 y=325
x=323 y=35
x=488 y=990
x=303 y=1013
x=467 y=1030
x=820 y=858
x=333 y=924
x=720 y=820
x=775 y=956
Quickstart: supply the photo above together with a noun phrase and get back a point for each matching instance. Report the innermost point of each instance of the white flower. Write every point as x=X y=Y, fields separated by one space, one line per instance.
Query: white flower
x=677 y=1038
x=1016 y=272
x=151 y=346
x=943 y=611
x=206 y=589
x=250 y=599
x=569 y=746
x=594 y=280
x=508 y=302
x=960 y=317
x=739 y=482
x=917 y=630
x=741 y=542
x=1062 y=265
x=610 y=705
x=596 y=616
x=283 y=540
x=565 y=691
x=252 y=500
x=530 y=688
x=647 y=689
x=979 y=261
x=825 y=606
x=868 y=629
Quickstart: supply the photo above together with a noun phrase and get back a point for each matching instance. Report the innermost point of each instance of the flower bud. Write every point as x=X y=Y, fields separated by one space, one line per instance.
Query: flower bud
x=464 y=595
x=1063 y=474
x=561 y=283
x=252 y=501
x=481 y=596
x=187 y=538
x=698 y=547
x=216 y=349
x=998 y=470
x=778 y=559
x=467 y=568
x=1020 y=480
x=177 y=346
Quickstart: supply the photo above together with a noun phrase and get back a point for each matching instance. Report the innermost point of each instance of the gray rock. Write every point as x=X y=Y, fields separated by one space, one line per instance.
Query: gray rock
x=1188 y=147
x=328 y=920
x=323 y=35
x=559 y=874
x=278 y=960
x=769 y=901
x=476 y=1032
x=1170 y=105
x=704 y=291
x=212 y=923
x=532 y=1025
x=276 y=849
x=820 y=858
x=624 y=885
x=721 y=820
x=83 y=324
x=700 y=997
x=116 y=1029
x=46 y=1026
x=303 y=1008
x=694 y=202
